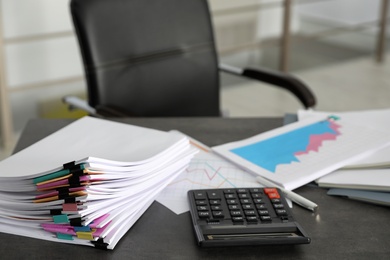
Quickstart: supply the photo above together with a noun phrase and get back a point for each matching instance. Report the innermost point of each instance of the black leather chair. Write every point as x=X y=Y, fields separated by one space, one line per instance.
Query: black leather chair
x=157 y=58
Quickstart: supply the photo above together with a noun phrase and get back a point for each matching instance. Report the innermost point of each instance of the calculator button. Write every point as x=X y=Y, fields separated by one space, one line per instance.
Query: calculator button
x=256 y=201
x=203 y=214
x=251 y=219
x=276 y=201
x=234 y=207
x=243 y=196
x=256 y=195
x=256 y=190
x=202 y=208
x=270 y=190
x=238 y=219
x=215 y=202
x=201 y=202
x=261 y=206
x=200 y=195
x=278 y=206
x=245 y=201
x=263 y=212
x=242 y=190
x=216 y=208
x=281 y=212
x=273 y=195
x=218 y=214
x=230 y=196
x=213 y=195
x=230 y=202
x=235 y=213
x=250 y=213
x=247 y=206
x=265 y=218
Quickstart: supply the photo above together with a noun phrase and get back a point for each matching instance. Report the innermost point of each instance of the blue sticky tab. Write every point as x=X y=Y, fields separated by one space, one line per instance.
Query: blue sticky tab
x=82 y=228
x=58 y=219
x=64 y=236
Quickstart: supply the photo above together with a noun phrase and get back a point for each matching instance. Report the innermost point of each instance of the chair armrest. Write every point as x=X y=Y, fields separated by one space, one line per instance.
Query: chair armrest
x=276 y=78
x=78 y=103
x=99 y=111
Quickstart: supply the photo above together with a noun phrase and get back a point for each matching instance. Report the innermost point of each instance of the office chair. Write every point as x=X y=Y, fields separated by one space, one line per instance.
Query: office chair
x=156 y=58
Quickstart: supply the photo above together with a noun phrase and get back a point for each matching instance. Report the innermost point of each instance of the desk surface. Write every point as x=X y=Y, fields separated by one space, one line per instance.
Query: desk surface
x=342 y=228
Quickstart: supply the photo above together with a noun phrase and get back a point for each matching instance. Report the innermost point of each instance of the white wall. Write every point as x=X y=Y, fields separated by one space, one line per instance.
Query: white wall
x=41 y=60
x=29 y=17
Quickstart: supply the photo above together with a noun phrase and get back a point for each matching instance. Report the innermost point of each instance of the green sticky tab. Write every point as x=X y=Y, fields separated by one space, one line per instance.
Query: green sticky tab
x=64 y=236
x=54 y=175
x=58 y=219
x=334 y=117
x=51 y=176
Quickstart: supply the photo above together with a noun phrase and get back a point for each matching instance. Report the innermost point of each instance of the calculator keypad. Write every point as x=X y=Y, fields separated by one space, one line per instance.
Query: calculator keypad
x=243 y=216
x=241 y=206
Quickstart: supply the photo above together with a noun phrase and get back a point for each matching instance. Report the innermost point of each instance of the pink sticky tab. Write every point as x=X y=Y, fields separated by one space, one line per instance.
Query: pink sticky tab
x=69 y=207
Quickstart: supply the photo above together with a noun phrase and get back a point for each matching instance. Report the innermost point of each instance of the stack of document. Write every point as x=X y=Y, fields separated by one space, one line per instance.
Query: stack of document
x=89 y=182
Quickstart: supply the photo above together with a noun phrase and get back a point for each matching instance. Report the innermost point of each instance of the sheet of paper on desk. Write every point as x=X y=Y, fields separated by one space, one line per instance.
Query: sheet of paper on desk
x=301 y=152
x=379 y=119
x=89 y=139
x=206 y=170
x=369 y=173
x=117 y=172
x=363 y=179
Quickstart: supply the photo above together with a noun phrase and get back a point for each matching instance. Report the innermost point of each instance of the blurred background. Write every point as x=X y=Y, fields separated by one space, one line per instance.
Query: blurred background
x=340 y=48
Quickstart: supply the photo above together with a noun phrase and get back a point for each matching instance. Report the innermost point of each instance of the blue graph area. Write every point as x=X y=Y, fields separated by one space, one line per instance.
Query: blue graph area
x=281 y=149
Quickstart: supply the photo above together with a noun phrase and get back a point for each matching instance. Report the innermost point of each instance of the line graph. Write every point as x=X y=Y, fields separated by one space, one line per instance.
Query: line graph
x=206 y=170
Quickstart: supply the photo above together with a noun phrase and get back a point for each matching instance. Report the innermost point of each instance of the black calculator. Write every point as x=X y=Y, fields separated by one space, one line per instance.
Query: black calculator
x=243 y=216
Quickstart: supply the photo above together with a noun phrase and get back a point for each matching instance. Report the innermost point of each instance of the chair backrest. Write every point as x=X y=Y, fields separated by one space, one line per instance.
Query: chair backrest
x=149 y=57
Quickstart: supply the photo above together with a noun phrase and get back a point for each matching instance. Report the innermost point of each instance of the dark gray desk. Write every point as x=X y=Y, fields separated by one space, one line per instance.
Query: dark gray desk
x=342 y=229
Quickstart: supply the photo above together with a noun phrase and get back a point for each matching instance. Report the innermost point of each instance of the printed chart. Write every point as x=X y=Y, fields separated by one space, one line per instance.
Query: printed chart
x=284 y=149
x=302 y=152
x=206 y=170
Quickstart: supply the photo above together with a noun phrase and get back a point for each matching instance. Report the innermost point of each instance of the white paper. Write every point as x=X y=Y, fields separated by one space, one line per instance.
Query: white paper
x=378 y=119
x=351 y=144
x=206 y=170
x=363 y=179
x=369 y=173
x=87 y=137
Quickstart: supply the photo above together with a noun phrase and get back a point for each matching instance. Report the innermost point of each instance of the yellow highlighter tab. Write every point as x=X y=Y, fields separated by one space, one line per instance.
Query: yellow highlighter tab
x=85 y=235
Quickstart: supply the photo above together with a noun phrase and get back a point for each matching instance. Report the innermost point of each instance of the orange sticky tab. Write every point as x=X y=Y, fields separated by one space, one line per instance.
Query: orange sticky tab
x=46 y=199
x=53 y=180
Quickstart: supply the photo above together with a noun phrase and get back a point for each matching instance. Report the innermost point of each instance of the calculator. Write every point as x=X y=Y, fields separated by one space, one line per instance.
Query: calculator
x=243 y=216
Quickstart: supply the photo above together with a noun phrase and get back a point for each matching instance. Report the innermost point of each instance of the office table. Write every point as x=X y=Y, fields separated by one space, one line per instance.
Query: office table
x=341 y=229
